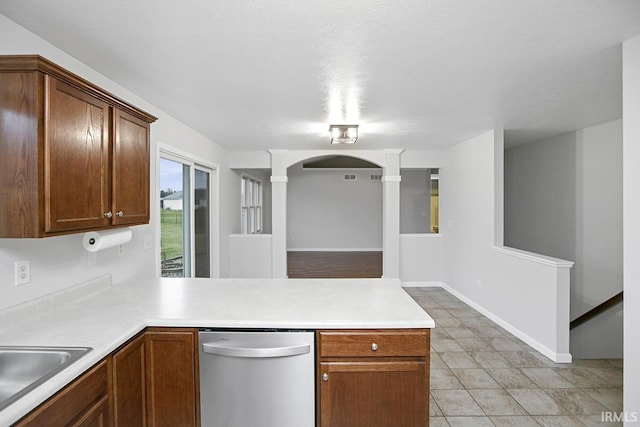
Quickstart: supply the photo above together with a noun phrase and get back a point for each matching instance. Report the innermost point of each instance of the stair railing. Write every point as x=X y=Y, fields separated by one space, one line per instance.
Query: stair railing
x=596 y=310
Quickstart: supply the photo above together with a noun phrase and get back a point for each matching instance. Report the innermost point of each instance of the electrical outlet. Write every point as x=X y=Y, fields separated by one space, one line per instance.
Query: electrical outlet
x=479 y=284
x=120 y=249
x=23 y=272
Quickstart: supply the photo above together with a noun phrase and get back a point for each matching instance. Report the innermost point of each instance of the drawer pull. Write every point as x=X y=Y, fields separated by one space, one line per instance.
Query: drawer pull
x=325 y=377
x=374 y=346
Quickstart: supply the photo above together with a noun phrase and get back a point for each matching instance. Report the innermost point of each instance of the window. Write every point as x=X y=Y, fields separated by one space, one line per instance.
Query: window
x=251 y=205
x=419 y=201
x=185 y=217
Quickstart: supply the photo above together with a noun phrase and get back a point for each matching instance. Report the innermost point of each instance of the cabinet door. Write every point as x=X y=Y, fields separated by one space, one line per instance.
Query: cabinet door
x=76 y=159
x=129 y=387
x=172 y=396
x=373 y=394
x=130 y=170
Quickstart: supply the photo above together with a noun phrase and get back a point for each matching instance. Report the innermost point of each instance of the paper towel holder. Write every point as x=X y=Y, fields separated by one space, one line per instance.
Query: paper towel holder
x=94 y=241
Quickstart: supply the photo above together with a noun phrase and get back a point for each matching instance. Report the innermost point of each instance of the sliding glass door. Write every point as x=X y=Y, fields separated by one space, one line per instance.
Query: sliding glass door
x=202 y=223
x=185 y=217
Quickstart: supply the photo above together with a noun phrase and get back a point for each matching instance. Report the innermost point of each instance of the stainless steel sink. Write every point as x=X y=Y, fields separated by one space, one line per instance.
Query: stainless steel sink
x=24 y=368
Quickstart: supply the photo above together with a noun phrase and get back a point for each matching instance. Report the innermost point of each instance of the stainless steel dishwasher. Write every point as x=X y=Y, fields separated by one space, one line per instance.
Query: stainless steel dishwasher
x=257 y=378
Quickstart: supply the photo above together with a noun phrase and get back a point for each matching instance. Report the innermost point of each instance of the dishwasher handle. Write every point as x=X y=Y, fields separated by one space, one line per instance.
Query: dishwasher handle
x=256 y=352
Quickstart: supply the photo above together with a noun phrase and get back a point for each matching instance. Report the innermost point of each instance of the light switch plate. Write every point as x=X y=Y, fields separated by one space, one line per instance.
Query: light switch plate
x=148 y=241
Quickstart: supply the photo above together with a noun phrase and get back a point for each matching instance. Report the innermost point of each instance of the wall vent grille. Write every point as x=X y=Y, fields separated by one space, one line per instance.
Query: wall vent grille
x=375 y=177
x=350 y=177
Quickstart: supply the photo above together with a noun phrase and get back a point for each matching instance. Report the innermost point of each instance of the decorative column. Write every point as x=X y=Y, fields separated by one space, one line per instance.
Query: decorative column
x=279 y=181
x=391 y=215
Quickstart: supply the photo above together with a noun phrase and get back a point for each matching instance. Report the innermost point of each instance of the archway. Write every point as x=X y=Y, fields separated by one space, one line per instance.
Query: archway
x=334 y=218
x=388 y=160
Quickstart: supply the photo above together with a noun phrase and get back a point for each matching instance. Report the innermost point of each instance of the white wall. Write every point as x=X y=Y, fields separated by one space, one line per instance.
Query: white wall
x=326 y=212
x=418 y=159
x=421 y=255
x=631 y=213
x=526 y=293
x=539 y=182
x=599 y=214
x=598 y=269
x=59 y=262
x=249 y=159
x=421 y=259
x=250 y=255
x=563 y=198
x=606 y=329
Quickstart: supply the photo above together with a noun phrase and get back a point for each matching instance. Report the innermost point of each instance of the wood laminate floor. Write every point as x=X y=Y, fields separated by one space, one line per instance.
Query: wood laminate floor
x=334 y=265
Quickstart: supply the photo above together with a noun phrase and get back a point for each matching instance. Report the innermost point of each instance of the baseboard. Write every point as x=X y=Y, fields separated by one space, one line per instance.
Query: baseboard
x=556 y=357
x=334 y=249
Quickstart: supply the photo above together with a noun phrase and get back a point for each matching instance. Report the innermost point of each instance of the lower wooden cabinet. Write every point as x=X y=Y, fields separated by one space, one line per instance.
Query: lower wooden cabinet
x=152 y=380
x=373 y=378
x=84 y=402
x=172 y=377
x=96 y=416
x=155 y=379
x=129 y=384
x=365 y=378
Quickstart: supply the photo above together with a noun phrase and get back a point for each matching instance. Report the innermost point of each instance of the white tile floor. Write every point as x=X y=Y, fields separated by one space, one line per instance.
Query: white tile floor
x=481 y=375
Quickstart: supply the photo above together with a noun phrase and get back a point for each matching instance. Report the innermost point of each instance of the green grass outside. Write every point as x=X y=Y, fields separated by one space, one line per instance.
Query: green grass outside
x=171 y=233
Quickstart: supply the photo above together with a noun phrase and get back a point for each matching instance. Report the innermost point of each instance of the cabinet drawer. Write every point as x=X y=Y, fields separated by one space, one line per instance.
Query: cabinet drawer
x=374 y=343
x=75 y=402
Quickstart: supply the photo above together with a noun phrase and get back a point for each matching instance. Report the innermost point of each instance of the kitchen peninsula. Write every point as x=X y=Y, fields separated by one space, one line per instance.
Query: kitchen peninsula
x=105 y=317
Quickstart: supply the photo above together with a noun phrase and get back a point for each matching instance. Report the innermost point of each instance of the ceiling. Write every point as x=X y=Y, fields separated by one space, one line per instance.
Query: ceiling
x=414 y=74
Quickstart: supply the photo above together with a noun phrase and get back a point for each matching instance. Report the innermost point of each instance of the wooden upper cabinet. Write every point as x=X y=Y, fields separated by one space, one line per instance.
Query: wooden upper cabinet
x=75 y=157
x=130 y=170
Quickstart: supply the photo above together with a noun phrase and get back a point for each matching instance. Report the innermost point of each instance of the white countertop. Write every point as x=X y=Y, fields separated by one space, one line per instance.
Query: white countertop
x=107 y=319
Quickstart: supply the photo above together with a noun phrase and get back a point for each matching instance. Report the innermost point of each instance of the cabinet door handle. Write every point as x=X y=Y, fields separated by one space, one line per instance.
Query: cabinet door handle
x=325 y=377
x=374 y=346
x=108 y=214
x=120 y=214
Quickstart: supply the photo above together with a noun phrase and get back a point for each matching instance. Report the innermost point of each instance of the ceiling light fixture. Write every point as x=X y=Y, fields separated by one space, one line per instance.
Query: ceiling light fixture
x=343 y=134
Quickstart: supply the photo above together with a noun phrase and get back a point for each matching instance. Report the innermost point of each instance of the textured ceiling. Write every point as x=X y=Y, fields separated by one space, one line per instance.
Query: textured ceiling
x=415 y=74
